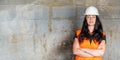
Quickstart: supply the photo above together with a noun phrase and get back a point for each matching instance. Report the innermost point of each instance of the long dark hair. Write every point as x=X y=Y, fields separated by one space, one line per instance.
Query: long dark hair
x=97 y=33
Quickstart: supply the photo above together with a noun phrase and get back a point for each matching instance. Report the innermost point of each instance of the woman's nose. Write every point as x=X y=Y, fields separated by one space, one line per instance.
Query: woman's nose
x=90 y=18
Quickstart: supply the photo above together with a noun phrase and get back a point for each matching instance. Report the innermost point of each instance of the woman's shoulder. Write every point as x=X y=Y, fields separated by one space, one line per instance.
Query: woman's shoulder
x=78 y=31
x=103 y=33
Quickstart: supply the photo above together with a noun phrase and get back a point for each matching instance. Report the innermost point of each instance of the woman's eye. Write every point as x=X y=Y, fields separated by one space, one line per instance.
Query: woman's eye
x=94 y=17
x=88 y=17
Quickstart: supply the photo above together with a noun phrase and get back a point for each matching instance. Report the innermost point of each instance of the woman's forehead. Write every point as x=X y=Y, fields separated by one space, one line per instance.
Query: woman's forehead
x=90 y=15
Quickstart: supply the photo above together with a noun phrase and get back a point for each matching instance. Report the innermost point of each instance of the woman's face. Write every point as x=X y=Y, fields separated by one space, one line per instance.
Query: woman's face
x=91 y=20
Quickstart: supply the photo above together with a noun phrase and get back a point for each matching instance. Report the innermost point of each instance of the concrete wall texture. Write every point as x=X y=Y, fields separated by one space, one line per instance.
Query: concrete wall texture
x=44 y=29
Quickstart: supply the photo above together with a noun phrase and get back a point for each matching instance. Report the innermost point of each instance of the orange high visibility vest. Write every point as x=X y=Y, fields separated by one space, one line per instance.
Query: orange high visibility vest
x=86 y=44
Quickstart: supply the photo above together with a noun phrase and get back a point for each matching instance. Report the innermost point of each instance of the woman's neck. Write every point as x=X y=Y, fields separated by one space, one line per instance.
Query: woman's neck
x=91 y=29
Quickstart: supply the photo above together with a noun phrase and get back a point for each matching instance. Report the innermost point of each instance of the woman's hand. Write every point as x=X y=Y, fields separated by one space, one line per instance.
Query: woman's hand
x=77 y=50
x=96 y=52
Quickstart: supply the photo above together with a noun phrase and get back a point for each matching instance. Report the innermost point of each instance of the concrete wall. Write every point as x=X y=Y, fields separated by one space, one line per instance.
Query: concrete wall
x=43 y=29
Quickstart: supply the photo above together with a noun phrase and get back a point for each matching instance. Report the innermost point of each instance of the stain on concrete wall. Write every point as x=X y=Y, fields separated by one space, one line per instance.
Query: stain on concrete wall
x=44 y=29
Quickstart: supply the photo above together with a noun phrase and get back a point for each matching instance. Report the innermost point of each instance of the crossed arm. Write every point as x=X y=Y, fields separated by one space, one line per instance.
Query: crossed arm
x=85 y=52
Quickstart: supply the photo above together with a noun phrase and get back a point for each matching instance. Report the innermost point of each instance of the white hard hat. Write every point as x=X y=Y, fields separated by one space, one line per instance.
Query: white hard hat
x=91 y=11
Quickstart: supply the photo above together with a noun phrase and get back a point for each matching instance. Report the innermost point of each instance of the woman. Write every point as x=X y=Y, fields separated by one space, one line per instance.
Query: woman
x=90 y=41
